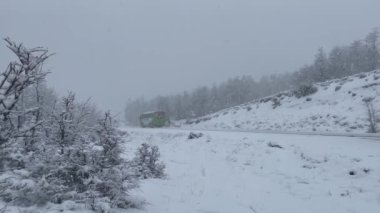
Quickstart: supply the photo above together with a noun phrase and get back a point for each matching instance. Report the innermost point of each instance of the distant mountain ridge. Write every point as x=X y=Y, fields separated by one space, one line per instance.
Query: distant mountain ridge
x=336 y=106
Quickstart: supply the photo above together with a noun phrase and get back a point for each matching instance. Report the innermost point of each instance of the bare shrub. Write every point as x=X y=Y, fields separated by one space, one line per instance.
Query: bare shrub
x=371 y=114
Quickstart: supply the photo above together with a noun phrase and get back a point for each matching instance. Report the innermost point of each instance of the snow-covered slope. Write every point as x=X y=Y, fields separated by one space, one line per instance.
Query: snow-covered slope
x=337 y=106
x=225 y=172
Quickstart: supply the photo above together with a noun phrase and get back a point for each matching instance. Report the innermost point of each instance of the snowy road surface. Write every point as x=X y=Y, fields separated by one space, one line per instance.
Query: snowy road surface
x=260 y=173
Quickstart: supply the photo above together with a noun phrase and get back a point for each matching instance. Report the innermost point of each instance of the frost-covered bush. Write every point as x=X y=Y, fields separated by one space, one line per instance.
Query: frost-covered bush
x=146 y=162
x=109 y=188
x=19 y=124
x=109 y=139
x=57 y=150
x=77 y=160
x=115 y=176
x=18 y=76
x=305 y=90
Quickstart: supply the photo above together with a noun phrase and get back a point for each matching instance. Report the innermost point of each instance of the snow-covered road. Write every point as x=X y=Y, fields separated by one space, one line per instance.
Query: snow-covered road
x=376 y=136
x=260 y=172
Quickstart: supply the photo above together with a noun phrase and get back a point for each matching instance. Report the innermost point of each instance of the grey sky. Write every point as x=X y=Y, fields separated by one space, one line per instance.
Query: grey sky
x=115 y=49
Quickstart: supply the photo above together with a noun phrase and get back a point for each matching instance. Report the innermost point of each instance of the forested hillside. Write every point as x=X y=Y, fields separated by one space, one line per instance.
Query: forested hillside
x=341 y=61
x=346 y=105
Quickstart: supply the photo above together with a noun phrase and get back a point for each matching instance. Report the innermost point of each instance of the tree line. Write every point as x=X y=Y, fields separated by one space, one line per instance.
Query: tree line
x=360 y=56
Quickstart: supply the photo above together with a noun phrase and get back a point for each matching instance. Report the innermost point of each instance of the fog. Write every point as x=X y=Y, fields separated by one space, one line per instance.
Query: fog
x=120 y=49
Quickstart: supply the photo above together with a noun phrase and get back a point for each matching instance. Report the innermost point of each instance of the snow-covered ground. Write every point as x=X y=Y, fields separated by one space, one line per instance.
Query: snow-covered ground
x=337 y=106
x=250 y=172
x=224 y=172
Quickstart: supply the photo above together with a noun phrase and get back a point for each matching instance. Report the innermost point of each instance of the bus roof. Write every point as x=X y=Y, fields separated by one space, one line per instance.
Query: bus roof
x=151 y=113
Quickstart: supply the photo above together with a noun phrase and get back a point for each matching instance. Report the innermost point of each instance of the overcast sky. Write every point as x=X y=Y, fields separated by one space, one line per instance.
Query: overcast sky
x=113 y=50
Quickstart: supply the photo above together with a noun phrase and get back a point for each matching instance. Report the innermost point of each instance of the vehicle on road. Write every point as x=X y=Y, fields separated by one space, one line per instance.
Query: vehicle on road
x=154 y=119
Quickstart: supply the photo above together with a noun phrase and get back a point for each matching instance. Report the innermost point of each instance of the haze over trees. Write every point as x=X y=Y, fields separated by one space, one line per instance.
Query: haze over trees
x=359 y=56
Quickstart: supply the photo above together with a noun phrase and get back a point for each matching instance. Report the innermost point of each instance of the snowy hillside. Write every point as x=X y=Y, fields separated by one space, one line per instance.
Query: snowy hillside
x=337 y=106
x=228 y=172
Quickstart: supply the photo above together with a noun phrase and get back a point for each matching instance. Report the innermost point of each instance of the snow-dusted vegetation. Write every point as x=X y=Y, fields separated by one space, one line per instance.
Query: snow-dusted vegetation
x=349 y=104
x=59 y=150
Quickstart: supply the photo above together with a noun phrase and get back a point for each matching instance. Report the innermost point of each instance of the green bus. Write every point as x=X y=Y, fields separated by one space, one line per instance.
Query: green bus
x=154 y=119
